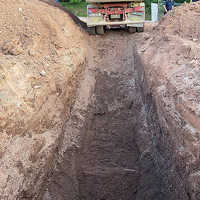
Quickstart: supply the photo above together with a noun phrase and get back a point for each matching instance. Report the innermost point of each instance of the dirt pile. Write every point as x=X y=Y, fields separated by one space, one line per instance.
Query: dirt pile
x=42 y=53
x=179 y=32
x=182 y=21
x=171 y=55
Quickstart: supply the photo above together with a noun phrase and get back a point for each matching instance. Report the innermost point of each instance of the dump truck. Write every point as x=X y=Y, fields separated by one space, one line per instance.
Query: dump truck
x=103 y=14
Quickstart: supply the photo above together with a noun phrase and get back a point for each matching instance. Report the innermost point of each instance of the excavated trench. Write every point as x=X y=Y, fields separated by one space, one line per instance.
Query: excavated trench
x=98 y=118
x=114 y=148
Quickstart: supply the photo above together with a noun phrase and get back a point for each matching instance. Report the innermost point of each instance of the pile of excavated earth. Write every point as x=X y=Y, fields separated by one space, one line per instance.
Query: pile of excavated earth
x=42 y=53
x=91 y=118
x=171 y=58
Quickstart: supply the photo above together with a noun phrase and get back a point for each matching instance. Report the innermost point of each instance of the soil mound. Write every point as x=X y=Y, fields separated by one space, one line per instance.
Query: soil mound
x=41 y=49
x=42 y=53
x=82 y=24
x=174 y=43
x=171 y=55
x=183 y=21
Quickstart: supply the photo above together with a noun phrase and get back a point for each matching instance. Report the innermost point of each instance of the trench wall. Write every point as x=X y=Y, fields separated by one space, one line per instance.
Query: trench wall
x=117 y=145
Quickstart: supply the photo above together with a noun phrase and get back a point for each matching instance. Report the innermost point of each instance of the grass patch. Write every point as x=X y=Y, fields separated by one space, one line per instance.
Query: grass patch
x=147 y=10
x=79 y=9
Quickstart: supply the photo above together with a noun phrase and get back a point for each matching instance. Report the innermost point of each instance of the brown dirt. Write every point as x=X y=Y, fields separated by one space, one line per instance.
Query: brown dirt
x=103 y=164
x=42 y=54
x=115 y=142
x=171 y=56
x=173 y=51
x=182 y=21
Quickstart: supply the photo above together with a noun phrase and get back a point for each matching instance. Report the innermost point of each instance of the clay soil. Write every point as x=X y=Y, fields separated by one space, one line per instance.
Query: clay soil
x=171 y=56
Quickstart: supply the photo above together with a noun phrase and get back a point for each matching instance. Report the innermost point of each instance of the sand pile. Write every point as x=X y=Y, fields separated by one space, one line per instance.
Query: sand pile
x=42 y=53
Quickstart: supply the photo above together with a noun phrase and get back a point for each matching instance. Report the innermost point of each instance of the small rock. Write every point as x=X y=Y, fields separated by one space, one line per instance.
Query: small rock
x=31 y=52
x=20 y=9
x=42 y=73
x=58 y=46
x=37 y=86
x=2 y=76
x=194 y=39
x=146 y=36
x=37 y=33
x=12 y=48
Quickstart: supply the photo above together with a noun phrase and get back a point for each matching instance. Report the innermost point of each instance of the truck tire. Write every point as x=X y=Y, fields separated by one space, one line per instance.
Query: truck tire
x=91 y=30
x=100 y=30
x=132 y=29
x=140 y=29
